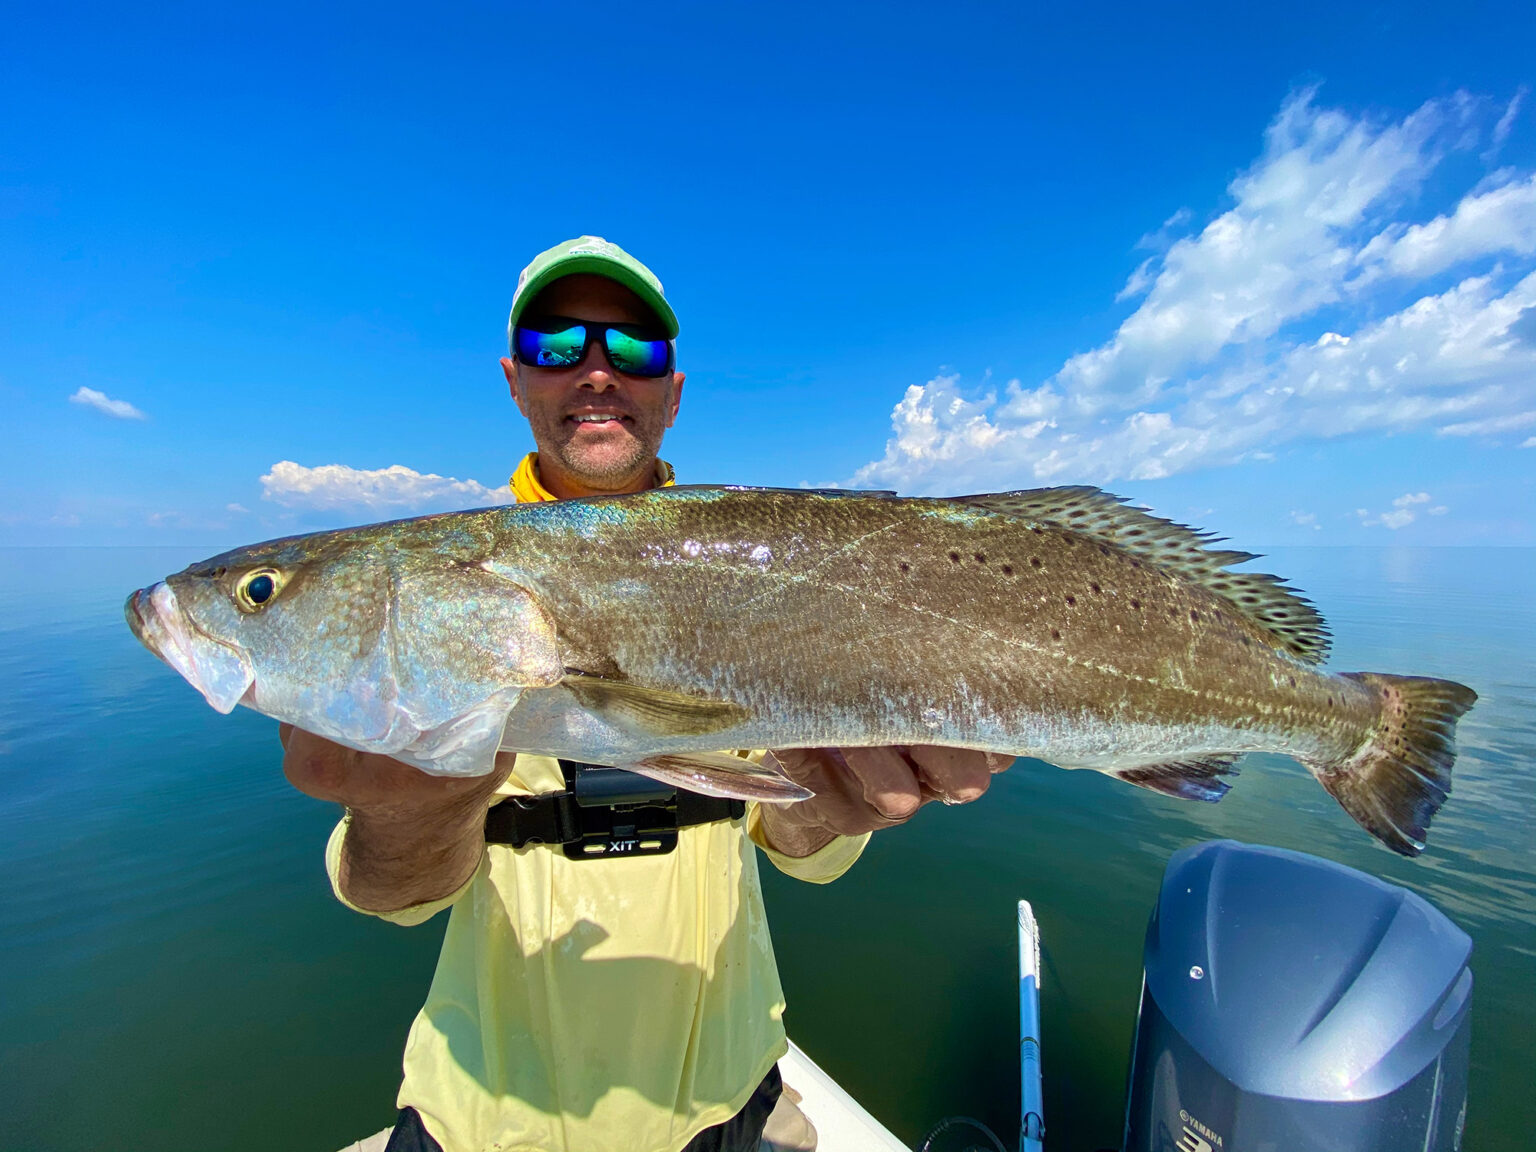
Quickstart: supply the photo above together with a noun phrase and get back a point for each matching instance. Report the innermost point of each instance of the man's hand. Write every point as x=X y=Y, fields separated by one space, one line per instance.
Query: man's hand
x=413 y=837
x=865 y=789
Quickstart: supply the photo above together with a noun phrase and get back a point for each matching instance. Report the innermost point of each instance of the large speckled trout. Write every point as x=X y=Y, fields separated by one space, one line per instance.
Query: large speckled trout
x=647 y=631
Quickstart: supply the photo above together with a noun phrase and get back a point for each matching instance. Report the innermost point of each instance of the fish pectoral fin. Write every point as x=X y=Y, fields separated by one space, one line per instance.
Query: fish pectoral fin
x=722 y=774
x=465 y=745
x=1195 y=779
x=654 y=711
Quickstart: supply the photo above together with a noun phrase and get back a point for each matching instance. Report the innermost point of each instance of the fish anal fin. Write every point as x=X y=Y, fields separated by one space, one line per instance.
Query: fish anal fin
x=1287 y=620
x=722 y=774
x=654 y=711
x=1396 y=781
x=1197 y=779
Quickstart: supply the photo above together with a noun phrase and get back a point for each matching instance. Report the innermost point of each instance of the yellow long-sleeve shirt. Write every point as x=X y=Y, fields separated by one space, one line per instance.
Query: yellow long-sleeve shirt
x=605 y=1004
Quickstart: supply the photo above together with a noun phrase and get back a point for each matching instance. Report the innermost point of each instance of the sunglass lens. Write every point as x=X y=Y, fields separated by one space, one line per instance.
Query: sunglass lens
x=636 y=355
x=551 y=349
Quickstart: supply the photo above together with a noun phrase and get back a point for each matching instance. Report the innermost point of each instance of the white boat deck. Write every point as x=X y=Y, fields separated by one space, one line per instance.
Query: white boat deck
x=842 y=1124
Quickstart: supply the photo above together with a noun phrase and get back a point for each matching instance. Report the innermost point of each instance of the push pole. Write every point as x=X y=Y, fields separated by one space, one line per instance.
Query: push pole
x=1032 y=1108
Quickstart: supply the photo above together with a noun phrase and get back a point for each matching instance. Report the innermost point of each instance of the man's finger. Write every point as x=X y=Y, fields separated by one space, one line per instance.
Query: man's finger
x=887 y=779
x=802 y=765
x=958 y=775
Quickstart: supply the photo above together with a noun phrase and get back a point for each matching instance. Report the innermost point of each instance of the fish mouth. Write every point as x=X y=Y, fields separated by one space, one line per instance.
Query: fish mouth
x=134 y=614
x=220 y=671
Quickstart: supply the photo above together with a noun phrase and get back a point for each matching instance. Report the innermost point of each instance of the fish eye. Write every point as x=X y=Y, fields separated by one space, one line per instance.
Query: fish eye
x=257 y=588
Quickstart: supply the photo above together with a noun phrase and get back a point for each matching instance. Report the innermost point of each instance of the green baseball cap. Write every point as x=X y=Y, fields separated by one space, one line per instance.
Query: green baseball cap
x=596 y=255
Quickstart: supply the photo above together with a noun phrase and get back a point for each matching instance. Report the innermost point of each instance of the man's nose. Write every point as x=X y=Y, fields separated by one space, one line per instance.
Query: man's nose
x=596 y=373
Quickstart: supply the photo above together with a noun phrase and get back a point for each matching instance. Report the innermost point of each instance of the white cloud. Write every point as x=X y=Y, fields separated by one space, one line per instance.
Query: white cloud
x=1306 y=520
x=1216 y=366
x=100 y=401
x=1507 y=121
x=1500 y=220
x=1140 y=281
x=396 y=488
x=1492 y=426
x=1404 y=511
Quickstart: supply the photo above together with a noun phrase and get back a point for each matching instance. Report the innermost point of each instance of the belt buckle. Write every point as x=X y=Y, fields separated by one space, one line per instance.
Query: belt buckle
x=624 y=830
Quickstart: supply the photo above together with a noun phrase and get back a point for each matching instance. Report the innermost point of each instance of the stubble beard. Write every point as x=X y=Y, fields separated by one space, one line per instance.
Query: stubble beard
x=609 y=465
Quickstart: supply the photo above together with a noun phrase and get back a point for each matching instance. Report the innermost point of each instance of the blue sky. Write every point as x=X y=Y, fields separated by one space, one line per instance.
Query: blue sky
x=1270 y=269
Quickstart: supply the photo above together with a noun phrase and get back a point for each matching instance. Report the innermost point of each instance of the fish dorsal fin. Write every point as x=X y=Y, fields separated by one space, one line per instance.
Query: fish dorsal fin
x=1292 y=623
x=683 y=490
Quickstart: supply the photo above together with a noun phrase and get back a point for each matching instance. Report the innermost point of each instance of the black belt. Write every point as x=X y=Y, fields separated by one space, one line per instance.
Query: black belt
x=605 y=812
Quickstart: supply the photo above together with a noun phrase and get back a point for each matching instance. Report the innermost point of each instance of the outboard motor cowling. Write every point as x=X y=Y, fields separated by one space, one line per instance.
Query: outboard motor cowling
x=1291 y=1004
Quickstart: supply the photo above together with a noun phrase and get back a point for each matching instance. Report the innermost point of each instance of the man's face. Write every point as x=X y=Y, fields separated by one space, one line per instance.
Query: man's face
x=598 y=430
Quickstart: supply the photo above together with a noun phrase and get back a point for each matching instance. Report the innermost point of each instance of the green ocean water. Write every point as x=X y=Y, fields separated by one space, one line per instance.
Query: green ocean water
x=177 y=975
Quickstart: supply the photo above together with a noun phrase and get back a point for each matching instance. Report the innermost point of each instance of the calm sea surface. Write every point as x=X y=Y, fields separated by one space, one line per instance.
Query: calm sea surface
x=177 y=975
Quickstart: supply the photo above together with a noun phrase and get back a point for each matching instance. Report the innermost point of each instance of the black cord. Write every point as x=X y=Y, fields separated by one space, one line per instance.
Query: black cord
x=955 y=1122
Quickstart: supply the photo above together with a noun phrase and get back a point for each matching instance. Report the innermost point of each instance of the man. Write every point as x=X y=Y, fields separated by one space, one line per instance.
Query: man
x=624 y=1002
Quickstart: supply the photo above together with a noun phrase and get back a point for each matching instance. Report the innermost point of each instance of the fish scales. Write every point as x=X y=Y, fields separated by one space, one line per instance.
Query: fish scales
x=925 y=608
x=648 y=630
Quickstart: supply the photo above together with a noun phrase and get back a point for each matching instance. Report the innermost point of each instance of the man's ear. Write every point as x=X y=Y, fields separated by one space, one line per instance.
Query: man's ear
x=509 y=369
x=677 y=397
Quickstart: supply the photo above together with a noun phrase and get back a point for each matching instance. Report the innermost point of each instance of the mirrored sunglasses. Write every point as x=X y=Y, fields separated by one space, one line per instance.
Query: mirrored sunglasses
x=560 y=342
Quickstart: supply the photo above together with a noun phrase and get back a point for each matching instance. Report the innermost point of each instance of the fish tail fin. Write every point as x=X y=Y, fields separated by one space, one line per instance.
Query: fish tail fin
x=1395 y=782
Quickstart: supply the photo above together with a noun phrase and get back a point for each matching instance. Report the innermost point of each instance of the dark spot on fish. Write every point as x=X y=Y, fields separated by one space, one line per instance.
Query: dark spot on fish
x=1135 y=532
x=1038 y=531
x=1135 y=603
x=1007 y=569
x=904 y=566
x=1218 y=617
x=1055 y=633
x=1291 y=680
x=1072 y=601
x=1330 y=701
x=955 y=557
x=1195 y=616
x=1095 y=587
x=981 y=558
x=1034 y=561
